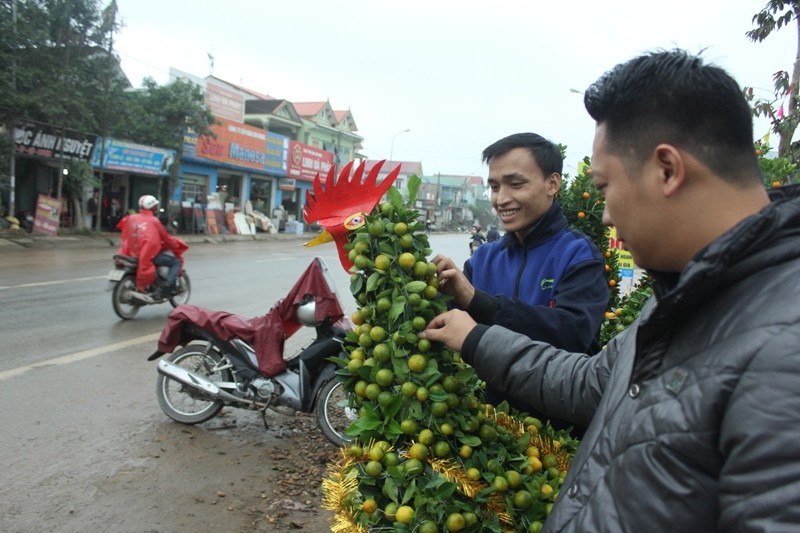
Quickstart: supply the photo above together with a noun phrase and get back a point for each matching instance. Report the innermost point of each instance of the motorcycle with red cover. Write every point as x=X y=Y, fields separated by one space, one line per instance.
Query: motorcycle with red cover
x=216 y=359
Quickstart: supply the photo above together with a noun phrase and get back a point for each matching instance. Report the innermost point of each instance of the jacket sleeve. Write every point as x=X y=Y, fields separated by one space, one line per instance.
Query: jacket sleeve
x=124 y=246
x=573 y=321
x=759 y=485
x=561 y=384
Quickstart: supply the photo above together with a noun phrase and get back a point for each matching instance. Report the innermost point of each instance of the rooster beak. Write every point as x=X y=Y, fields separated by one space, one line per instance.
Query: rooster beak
x=322 y=238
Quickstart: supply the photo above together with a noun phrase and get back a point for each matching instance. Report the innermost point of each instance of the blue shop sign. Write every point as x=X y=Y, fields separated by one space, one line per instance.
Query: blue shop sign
x=132 y=157
x=277 y=153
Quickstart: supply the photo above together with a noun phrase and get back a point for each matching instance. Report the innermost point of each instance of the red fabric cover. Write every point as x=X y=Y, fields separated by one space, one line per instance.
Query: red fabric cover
x=144 y=236
x=267 y=333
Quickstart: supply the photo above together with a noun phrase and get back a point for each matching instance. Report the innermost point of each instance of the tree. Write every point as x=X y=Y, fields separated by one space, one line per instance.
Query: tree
x=776 y=15
x=161 y=115
x=79 y=177
x=57 y=66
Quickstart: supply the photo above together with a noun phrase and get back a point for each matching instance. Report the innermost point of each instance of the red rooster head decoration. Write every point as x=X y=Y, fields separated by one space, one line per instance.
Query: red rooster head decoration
x=342 y=205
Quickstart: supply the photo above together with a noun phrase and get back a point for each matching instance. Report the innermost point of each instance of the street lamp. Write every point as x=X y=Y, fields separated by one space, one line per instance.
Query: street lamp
x=391 y=150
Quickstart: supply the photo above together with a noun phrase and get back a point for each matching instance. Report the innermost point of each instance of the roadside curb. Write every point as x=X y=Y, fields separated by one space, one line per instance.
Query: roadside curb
x=103 y=240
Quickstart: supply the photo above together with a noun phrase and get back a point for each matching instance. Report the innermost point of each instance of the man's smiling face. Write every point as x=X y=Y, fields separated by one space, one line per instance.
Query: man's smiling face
x=521 y=193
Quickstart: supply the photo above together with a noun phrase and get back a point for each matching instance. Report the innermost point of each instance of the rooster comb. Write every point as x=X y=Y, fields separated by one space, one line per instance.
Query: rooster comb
x=345 y=195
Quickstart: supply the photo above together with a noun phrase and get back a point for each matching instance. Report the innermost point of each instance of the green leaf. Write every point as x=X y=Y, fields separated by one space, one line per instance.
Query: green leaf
x=392 y=409
x=411 y=489
x=364 y=423
x=384 y=294
x=415 y=286
x=470 y=440
x=400 y=368
x=392 y=429
x=356 y=285
x=413 y=187
x=395 y=198
x=415 y=409
x=373 y=281
x=446 y=490
x=398 y=308
x=386 y=248
x=390 y=489
x=465 y=375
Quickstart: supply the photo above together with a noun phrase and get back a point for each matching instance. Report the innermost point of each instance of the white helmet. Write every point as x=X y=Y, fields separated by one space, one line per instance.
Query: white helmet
x=147 y=202
x=307 y=311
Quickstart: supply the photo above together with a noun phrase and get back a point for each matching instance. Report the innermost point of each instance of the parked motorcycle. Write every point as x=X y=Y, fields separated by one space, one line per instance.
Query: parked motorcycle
x=127 y=299
x=225 y=359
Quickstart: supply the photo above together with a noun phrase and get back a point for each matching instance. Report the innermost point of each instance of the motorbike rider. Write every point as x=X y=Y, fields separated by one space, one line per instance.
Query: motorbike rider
x=144 y=237
x=476 y=239
x=493 y=234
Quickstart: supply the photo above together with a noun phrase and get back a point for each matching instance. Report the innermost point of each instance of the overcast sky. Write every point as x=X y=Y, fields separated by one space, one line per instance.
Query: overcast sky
x=458 y=74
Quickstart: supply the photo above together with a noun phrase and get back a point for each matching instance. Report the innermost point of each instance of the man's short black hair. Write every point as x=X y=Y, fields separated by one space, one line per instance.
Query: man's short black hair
x=671 y=96
x=544 y=152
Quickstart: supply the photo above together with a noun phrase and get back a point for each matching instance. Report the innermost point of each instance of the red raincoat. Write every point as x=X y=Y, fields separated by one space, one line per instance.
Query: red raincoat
x=144 y=236
x=267 y=333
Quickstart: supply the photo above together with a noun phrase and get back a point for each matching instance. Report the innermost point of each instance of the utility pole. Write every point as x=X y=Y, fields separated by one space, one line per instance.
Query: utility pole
x=12 y=169
x=109 y=22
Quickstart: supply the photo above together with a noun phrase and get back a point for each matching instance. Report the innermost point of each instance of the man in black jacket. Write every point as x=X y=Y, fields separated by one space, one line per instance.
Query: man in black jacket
x=695 y=416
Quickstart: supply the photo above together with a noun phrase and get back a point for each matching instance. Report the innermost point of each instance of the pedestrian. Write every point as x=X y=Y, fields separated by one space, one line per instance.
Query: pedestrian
x=695 y=416
x=542 y=279
x=91 y=208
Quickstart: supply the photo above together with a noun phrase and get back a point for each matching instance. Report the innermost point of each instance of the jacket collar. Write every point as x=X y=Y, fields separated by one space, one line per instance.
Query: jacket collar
x=546 y=227
x=743 y=250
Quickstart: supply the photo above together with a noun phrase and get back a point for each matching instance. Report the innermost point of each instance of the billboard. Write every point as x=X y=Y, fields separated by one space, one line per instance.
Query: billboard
x=305 y=161
x=241 y=145
x=224 y=103
x=132 y=157
x=235 y=143
x=43 y=140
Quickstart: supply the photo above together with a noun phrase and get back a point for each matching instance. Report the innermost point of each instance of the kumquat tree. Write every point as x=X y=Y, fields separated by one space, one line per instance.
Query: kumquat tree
x=427 y=454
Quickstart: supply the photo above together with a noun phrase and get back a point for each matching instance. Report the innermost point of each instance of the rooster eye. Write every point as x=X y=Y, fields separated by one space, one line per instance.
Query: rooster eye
x=355 y=221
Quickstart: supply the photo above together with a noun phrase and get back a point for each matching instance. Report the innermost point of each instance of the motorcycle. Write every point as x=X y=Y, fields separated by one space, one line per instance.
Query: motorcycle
x=474 y=242
x=227 y=360
x=126 y=299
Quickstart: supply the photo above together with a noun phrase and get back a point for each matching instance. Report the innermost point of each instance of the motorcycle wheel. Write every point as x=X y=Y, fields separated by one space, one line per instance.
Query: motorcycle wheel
x=333 y=413
x=124 y=305
x=185 y=404
x=184 y=290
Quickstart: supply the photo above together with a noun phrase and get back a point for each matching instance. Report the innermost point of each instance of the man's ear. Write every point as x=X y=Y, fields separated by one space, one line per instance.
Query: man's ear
x=553 y=184
x=671 y=168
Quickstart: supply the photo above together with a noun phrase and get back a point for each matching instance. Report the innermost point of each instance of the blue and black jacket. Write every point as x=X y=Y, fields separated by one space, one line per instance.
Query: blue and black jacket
x=552 y=288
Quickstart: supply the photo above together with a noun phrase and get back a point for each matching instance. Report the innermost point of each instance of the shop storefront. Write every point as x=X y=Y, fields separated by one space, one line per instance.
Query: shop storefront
x=42 y=155
x=240 y=164
x=129 y=171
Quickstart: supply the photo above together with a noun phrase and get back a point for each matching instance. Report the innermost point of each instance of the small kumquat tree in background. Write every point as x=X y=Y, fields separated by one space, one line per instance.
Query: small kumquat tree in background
x=583 y=205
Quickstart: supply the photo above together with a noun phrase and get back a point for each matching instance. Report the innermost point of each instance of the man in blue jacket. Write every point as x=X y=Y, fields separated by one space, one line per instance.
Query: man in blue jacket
x=542 y=278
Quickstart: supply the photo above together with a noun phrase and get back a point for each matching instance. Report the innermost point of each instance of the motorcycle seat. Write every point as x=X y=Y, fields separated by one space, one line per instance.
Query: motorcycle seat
x=125 y=261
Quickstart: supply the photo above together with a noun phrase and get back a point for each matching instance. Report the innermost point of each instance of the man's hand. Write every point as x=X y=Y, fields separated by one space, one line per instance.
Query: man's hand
x=452 y=281
x=451 y=328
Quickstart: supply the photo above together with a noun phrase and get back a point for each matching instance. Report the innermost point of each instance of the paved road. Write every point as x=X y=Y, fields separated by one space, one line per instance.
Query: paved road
x=84 y=446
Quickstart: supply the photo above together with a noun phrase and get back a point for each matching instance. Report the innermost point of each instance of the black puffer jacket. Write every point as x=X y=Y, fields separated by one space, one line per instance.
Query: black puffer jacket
x=695 y=408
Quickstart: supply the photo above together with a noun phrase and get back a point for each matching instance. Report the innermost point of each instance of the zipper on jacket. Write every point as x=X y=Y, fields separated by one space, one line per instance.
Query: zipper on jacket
x=521 y=270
